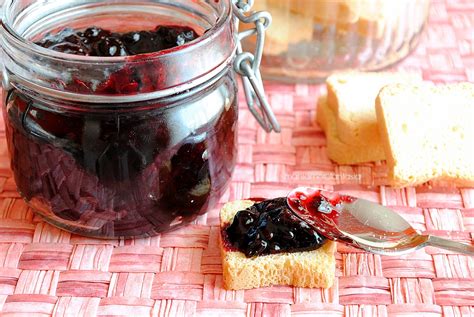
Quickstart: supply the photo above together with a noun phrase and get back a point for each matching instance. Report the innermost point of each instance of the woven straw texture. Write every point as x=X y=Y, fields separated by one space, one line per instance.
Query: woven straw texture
x=45 y=271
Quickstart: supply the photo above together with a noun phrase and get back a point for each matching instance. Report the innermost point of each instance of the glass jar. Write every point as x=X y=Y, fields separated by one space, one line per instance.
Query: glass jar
x=120 y=146
x=309 y=39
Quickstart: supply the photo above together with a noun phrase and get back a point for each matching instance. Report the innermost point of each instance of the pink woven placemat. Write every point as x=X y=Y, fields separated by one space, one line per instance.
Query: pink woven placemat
x=45 y=271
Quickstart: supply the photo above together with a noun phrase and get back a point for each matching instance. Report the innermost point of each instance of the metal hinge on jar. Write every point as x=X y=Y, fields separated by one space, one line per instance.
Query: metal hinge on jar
x=248 y=65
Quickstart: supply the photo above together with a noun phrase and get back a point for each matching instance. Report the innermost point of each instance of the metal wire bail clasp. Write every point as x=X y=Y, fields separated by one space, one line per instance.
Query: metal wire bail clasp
x=248 y=65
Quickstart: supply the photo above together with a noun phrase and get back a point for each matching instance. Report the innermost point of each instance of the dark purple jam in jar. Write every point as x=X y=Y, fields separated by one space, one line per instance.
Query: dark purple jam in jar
x=122 y=149
x=95 y=41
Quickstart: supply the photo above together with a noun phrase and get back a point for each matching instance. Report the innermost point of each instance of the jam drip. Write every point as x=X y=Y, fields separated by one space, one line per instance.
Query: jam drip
x=99 y=42
x=270 y=227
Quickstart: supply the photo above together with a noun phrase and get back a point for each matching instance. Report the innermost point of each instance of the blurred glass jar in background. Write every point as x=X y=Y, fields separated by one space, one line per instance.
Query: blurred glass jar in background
x=310 y=39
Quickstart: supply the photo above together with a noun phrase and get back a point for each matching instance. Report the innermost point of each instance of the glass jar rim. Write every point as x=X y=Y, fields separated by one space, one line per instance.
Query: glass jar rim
x=39 y=69
x=31 y=46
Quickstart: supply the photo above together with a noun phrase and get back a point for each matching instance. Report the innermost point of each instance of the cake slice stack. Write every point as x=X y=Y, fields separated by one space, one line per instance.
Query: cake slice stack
x=348 y=116
x=424 y=132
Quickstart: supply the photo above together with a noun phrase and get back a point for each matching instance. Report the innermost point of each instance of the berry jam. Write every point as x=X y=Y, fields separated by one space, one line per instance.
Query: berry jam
x=321 y=209
x=270 y=227
x=133 y=170
x=141 y=78
x=99 y=42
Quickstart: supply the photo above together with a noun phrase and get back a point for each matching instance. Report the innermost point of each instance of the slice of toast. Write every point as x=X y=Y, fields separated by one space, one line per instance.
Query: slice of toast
x=428 y=132
x=303 y=269
x=343 y=153
x=351 y=96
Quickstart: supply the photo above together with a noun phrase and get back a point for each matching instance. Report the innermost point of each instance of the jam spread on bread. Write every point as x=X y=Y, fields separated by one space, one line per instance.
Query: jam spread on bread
x=270 y=227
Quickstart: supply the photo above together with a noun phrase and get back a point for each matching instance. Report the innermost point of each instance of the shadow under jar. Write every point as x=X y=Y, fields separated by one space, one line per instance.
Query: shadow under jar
x=130 y=145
